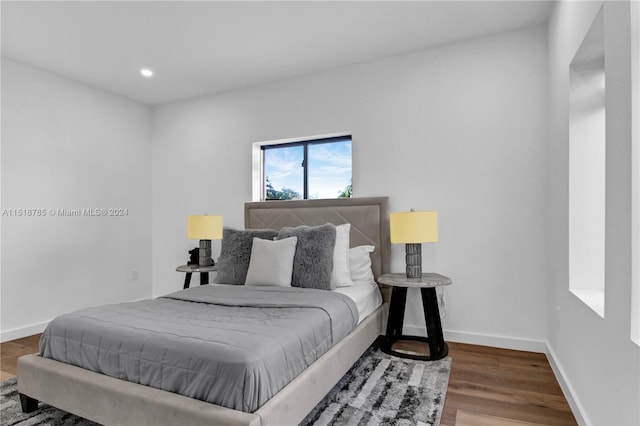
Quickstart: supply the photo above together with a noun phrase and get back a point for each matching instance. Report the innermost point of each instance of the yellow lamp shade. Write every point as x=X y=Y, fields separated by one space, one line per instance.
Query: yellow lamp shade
x=204 y=227
x=414 y=227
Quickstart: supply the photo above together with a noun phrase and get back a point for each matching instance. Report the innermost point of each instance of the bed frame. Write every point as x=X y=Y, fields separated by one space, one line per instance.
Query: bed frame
x=111 y=401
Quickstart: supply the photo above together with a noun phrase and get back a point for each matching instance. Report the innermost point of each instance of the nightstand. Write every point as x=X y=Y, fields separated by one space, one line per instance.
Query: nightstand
x=427 y=284
x=190 y=269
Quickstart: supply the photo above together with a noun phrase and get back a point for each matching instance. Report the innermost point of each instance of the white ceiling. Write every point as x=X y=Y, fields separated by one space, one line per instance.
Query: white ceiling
x=203 y=47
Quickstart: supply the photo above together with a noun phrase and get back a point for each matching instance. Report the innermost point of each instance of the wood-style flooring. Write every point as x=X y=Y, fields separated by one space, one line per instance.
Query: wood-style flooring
x=11 y=351
x=499 y=387
x=487 y=386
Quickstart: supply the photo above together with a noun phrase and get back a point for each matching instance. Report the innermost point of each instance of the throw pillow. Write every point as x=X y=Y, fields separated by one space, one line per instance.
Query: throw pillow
x=360 y=263
x=235 y=253
x=313 y=262
x=341 y=277
x=271 y=262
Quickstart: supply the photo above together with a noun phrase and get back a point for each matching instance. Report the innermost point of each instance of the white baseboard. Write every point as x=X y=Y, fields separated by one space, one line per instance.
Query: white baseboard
x=568 y=391
x=484 y=339
x=18 y=333
x=503 y=342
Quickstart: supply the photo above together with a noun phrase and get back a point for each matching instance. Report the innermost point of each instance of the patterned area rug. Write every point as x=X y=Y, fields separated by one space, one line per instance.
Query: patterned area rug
x=379 y=389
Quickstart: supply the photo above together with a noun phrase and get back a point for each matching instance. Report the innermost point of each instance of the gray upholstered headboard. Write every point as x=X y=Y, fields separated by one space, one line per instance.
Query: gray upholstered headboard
x=369 y=219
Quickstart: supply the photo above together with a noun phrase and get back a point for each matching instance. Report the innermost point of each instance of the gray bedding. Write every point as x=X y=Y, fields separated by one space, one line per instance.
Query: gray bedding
x=234 y=346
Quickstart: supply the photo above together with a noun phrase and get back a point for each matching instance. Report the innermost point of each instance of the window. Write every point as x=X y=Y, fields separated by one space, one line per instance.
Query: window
x=306 y=169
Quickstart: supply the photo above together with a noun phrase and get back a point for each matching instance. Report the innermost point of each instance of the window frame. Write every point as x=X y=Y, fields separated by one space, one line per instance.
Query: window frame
x=259 y=148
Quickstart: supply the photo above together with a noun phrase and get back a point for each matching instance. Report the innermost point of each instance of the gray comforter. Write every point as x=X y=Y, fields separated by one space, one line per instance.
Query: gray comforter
x=234 y=346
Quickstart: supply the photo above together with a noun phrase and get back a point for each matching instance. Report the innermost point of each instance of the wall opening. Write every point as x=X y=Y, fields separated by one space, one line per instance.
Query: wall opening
x=587 y=150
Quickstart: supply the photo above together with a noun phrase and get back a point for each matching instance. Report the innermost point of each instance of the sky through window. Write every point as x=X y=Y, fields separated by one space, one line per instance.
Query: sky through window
x=329 y=168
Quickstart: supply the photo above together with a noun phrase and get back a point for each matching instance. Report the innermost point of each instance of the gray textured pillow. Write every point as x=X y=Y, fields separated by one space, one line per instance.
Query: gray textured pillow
x=235 y=253
x=313 y=261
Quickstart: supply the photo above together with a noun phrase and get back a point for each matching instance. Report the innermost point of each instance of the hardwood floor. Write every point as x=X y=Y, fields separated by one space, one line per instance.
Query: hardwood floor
x=487 y=386
x=11 y=351
x=491 y=386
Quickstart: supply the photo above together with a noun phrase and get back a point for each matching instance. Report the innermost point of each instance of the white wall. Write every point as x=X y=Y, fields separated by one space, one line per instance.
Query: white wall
x=635 y=130
x=68 y=146
x=461 y=129
x=598 y=360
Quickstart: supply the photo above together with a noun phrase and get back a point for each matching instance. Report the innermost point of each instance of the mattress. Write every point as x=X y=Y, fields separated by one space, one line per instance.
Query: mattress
x=234 y=346
x=366 y=295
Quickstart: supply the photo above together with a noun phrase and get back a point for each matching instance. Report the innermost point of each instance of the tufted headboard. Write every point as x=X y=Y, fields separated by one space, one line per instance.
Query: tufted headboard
x=369 y=219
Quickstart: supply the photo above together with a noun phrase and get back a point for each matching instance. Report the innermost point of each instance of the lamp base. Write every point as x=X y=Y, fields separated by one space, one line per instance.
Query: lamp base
x=205 y=253
x=414 y=260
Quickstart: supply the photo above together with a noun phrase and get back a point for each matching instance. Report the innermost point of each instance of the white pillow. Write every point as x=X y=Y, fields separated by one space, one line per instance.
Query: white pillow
x=341 y=276
x=360 y=263
x=271 y=262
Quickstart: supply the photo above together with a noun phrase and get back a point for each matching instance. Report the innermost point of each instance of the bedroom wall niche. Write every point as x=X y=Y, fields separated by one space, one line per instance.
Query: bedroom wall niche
x=572 y=324
x=587 y=146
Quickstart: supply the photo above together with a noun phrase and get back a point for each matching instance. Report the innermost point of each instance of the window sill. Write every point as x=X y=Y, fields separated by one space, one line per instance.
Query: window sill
x=592 y=298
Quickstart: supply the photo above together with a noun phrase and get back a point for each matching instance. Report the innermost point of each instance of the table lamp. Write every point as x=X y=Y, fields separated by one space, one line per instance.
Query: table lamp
x=414 y=228
x=204 y=228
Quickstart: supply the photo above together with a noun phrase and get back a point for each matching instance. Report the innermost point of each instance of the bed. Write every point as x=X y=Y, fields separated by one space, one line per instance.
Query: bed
x=108 y=400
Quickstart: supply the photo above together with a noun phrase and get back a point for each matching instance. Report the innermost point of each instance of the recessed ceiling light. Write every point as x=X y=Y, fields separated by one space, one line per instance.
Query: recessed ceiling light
x=146 y=72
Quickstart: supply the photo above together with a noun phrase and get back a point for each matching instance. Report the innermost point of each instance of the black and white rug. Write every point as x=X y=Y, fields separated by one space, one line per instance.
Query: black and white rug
x=379 y=389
